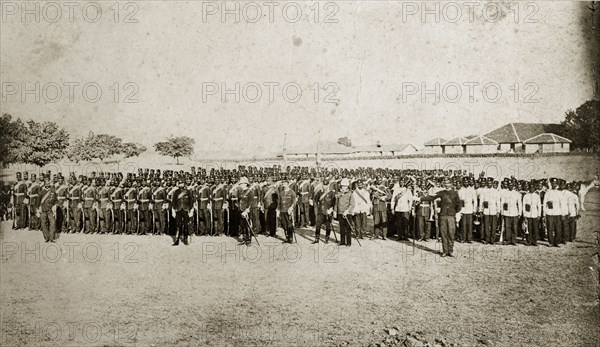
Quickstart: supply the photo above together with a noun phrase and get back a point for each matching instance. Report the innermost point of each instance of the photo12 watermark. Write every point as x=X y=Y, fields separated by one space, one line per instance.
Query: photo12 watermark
x=70 y=92
x=62 y=12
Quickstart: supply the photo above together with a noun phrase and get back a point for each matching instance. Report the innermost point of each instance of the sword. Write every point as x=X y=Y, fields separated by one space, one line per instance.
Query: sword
x=83 y=221
x=125 y=221
x=351 y=229
x=137 y=226
x=153 y=222
x=112 y=216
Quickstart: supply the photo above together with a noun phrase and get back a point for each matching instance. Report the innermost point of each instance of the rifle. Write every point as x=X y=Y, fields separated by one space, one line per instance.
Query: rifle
x=197 y=221
x=125 y=221
x=112 y=216
x=501 y=229
x=137 y=226
x=14 y=216
x=153 y=222
x=67 y=218
x=29 y=217
x=351 y=230
x=211 y=221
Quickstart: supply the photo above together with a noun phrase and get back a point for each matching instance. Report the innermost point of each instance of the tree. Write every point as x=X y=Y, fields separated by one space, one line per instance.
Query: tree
x=345 y=141
x=181 y=146
x=13 y=140
x=582 y=126
x=132 y=149
x=107 y=145
x=46 y=143
x=95 y=146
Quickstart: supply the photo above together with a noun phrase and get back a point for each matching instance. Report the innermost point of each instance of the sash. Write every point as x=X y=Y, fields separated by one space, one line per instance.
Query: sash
x=361 y=196
x=45 y=196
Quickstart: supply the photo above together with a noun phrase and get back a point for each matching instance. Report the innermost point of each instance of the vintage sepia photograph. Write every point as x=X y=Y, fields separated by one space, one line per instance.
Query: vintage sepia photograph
x=378 y=173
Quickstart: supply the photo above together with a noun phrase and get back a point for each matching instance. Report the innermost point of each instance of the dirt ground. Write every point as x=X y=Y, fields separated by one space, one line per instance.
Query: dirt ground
x=109 y=290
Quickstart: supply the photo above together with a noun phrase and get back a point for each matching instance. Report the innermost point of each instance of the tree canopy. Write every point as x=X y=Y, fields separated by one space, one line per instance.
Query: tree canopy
x=582 y=126
x=176 y=147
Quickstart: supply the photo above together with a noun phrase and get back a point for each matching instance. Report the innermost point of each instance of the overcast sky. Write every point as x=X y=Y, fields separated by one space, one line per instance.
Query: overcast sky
x=374 y=52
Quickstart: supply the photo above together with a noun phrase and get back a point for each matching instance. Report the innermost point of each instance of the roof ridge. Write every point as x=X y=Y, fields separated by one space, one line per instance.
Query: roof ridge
x=515 y=131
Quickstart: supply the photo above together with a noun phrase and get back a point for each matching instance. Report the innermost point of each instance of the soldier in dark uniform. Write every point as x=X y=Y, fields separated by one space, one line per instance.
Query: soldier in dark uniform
x=380 y=196
x=75 y=204
x=271 y=204
x=182 y=205
x=303 y=201
x=118 y=207
x=159 y=199
x=90 y=201
x=131 y=207
x=19 y=201
x=34 y=203
x=324 y=202
x=287 y=202
x=243 y=194
x=219 y=198
x=63 y=205
x=106 y=217
x=344 y=205
x=145 y=217
x=47 y=209
x=255 y=205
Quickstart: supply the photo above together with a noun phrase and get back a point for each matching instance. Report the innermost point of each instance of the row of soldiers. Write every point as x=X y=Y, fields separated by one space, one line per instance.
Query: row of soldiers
x=249 y=201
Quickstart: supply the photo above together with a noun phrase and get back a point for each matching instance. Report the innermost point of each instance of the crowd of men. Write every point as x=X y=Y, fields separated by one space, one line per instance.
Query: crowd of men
x=421 y=204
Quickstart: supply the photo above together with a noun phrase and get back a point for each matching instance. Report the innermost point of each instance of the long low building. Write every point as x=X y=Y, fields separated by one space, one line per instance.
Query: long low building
x=510 y=138
x=335 y=150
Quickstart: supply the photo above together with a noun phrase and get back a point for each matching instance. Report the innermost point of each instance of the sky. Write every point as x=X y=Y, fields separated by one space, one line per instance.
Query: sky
x=164 y=68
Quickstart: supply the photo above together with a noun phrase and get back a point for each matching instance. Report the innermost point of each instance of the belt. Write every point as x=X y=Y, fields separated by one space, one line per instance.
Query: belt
x=116 y=200
x=144 y=200
x=130 y=200
x=102 y=199
x=158 y=200
x=89 y=199
x=33 y=195
x=74 y=198
x=304 y=193
x=234 y=198
x=19 y=194
x=216 y=199
x=203 y=199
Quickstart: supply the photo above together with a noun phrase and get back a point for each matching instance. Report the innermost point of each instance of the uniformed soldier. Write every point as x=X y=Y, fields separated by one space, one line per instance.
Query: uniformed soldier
x=219 y=205
x=287 y=202
x=573 y=211
x=181 y=210
x=303 y=201
x=380 y=195
x=159 y=202
x=20 y=202
x=34 y=202
x=62 y=192
x=105 y=208
x=552 y=211
x=144 y=198
x=532 y=206
x=131 y=213
x=324 y=201
x=271 y=204
x=90 y=201
x=118 y=207
x=47 y=209
x=490 y=209
x=243 y=194
x=362 y=208
x=344 y=205
x=511 y=202
x=450 y=207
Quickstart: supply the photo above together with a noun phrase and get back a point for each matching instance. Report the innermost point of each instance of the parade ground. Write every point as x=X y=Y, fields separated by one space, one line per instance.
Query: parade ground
x=127 y=290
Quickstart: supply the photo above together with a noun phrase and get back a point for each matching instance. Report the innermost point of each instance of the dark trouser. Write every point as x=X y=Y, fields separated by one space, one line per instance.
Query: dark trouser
x=304 y=217
x=532 y=229
x=489 y=227
x=345 y=232
x=253 y=214
x=447 y=231
x=76 y=222
x=553 y=226
x=566 y=227
x=234 y=222
x=182 y=221
x=286 y=224
x=193 y=227
x=145 y=221
x=132 y=221
x=323 y=219
x=118 y=217
x=106 y=222
x=90 y=219
x=572 y=228
x=262 y=218
x=245 y=229
x=424 y=227
x=218 y=217
x=271 y=221
x=466 y=227
x=160 y=217
x=48 y=225
x=205 y=222
x=21 y=213
x=360 y=223
x=35 y=220
x=312 y=216
x=380 y=223
x=510 y=228
x=402 y=224
x=64 y=220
